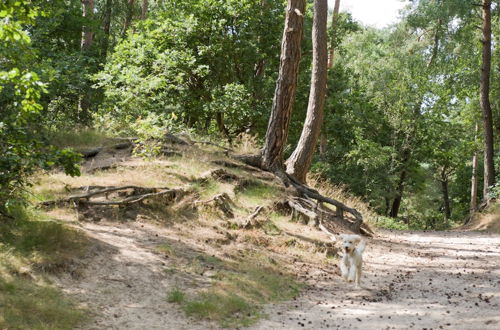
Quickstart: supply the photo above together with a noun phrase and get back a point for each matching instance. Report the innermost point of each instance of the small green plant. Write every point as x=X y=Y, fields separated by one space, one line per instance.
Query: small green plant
x=176 y=296
x=390 y=223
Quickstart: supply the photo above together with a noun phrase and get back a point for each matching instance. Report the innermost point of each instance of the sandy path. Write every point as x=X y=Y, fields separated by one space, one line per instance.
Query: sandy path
x=126 y=281
x=414 y=280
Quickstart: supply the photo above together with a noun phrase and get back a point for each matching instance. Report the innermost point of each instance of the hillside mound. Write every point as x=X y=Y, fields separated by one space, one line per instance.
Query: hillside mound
x=488 y=220
x=192 y=227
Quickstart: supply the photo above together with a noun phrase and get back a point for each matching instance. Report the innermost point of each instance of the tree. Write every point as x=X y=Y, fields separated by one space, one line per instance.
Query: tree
x=129 y=15
x=87 y=12
x=300 y=161
x=484 y=89
x=284 y=95
x=331 y=55
x=144 y=9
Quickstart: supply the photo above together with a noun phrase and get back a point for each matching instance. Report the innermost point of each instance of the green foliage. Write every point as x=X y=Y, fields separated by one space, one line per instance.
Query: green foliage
x=194 y=60
x=21 y=126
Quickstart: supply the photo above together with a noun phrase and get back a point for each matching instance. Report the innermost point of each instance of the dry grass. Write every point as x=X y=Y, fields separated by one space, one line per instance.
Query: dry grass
x=29 y=249
x=341 y=194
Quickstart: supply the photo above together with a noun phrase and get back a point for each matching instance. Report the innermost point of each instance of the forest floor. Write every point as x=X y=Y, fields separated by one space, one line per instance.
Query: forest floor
x=138 y=256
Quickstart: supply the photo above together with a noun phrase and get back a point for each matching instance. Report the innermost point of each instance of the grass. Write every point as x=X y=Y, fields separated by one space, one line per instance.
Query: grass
x=176 y=296
x=257 y=193
x=238 y=292
x=29 y=305
x=27 y=300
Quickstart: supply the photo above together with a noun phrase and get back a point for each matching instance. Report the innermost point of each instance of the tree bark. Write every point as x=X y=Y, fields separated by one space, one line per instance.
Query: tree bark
x=473 y=190
x=323 y=143
x=300 y=161
x=399 y=195
x=106 y=27
x=144 y=9
x=335 y=16
x=446 y=196
x=84 y=104
x=128 y=17
x=284 y=95
x=484 y=90
x=87 y=35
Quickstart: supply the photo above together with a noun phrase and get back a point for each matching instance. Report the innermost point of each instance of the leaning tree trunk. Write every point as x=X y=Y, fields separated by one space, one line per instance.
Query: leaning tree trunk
x=473 y=190
x=284 y=95
x=323 y=143
x=484 y=90
x=300 y=161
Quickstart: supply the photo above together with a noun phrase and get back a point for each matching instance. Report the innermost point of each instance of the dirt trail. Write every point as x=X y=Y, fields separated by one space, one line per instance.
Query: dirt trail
x=126 y=280
x=412 y=280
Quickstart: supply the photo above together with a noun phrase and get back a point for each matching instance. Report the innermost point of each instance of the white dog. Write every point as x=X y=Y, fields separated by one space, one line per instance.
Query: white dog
x=352 y=260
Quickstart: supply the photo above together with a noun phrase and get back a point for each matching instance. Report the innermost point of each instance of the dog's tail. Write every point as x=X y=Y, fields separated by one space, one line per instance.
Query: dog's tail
x=361 y=246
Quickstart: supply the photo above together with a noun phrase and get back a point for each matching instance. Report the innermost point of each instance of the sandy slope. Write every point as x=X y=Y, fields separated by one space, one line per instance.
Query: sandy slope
x=432 y=280
x=412 y=280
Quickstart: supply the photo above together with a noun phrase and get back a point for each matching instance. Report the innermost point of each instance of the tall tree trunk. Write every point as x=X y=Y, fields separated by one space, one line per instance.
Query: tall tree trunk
x=106 y=27
x=399 y=195
x=128 y=17
x=300 y=161
x=323 y=143
x=87 y=35
x=83 y=114
x=335 y=16
x=473 y=190
x=446 y=196
x=144 y=9
x=484 y=90
x=219 y=118
x=284 y=95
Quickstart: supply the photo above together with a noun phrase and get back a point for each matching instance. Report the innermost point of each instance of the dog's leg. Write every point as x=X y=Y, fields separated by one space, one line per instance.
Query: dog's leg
x=344 y=268
x=358 y=275
x=353 y=270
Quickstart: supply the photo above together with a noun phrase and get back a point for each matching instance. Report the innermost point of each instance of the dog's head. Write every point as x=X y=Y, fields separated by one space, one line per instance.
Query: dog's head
x=349 y=242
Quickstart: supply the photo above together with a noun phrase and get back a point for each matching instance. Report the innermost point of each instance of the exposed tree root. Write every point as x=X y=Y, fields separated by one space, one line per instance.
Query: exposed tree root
x=220 y=175
x=251 y=222
x=309 y=204
x=222 y=202
x=132 y=194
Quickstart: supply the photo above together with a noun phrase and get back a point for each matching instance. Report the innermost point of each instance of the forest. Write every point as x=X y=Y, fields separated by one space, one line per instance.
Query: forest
x=400 y=124
x=407 y=118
